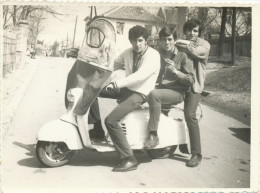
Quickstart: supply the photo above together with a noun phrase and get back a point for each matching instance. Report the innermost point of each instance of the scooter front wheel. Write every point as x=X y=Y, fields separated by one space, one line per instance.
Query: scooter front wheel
x=162 y=152
x=53 y=154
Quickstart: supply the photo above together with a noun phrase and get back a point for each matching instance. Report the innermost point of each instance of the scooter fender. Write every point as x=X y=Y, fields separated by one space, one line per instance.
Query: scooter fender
x=61 y=131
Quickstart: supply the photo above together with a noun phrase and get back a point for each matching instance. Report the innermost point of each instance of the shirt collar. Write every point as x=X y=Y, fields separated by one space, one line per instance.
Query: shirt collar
x=142 y=53
x=174 y=52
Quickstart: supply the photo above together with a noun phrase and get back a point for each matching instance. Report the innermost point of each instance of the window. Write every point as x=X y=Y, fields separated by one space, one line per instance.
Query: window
x=95 y=38
x=120 y=27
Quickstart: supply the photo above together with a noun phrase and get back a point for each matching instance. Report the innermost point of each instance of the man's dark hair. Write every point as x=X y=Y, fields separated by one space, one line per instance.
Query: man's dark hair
x=138 y=31
x=190 y=24
x=167 y=31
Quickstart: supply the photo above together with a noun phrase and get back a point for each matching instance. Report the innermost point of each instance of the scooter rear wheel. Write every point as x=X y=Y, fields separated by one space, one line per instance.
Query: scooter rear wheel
x=53 y=154
x=161 y=153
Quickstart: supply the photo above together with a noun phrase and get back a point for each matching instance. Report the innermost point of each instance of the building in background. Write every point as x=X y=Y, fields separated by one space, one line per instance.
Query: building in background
x=124 y=18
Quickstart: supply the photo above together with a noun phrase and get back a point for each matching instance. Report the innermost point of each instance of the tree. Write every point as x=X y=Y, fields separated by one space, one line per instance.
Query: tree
x=36 y=26
x=12 y=14
x=181 y=16
x=203 y=13
x=35 y=15
x=243 y=21
x=233 y=42
x=222 y=31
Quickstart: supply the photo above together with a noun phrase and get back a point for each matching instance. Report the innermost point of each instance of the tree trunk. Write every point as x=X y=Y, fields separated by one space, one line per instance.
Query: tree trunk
x=36 y=34
x=222 y=32
x=202 y=16
x=181 y=20
x=14 y=16
x=233 y=42
x=6 y=11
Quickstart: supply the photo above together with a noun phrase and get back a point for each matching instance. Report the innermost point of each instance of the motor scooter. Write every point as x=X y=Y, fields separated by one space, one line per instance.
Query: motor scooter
x=59 y=139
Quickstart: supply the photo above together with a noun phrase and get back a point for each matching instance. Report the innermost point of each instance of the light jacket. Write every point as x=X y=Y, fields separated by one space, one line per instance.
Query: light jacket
x=199 y=51
x=143 y=80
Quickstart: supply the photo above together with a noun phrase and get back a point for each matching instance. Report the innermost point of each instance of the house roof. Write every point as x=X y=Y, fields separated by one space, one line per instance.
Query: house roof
x=133 y=13
x=168 y=14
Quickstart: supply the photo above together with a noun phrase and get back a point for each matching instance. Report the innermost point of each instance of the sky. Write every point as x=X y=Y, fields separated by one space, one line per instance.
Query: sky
x=57 y=29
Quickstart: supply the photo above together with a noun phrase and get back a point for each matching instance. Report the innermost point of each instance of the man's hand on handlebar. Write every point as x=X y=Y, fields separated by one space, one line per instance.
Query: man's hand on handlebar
x=112 y=88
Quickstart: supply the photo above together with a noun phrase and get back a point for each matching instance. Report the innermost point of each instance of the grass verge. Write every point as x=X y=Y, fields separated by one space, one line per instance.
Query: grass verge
x=230 y=88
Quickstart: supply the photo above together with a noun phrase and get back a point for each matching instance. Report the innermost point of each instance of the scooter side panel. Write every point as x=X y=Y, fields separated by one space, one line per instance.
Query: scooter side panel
x=170 y=131
x=135 y=125
x=61 y=131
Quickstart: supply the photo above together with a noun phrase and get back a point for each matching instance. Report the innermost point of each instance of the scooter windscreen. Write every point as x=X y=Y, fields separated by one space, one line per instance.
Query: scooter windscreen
x=99 y=44
x=94 y=64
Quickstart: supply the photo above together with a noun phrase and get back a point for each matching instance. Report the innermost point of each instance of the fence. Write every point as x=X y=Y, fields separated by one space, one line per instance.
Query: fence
x=9 y=51
x=15 y=43
x=243 y=46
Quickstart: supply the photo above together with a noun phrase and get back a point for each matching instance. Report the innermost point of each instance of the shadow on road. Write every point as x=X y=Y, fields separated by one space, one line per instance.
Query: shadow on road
x=110 y=159
x=242 y=133
x=29 y=147
x=84 y=157
x=179 y=157
x=88 y=157
x=32 y=161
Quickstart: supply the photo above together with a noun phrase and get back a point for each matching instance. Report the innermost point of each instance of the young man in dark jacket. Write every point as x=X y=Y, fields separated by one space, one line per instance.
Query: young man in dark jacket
x=175 y=79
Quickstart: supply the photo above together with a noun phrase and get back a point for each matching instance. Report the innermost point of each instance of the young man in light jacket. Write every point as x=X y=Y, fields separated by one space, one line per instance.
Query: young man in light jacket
x=142 y=65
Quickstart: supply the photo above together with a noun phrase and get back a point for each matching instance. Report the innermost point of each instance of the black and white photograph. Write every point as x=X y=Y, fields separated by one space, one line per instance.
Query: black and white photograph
x=136 y=97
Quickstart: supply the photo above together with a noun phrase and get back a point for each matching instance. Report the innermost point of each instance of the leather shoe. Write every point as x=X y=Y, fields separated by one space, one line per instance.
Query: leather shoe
x=126 y=166
x=151 y=142
x=194 y=161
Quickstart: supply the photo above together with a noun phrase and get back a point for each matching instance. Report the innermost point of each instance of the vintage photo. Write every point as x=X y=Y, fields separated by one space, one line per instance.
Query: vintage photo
x=110 y=97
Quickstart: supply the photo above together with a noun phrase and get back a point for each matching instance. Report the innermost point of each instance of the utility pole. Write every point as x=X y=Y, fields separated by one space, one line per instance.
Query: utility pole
x=67 y=42
x=74 y=32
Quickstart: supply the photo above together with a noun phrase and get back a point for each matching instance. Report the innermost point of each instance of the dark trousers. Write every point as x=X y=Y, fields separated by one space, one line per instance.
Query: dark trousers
x=156 y=99
x=191 y=103
x=129 y=101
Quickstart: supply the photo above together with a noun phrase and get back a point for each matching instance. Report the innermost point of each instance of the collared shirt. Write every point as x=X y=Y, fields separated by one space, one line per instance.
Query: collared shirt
x=163 y=63
x=137 y=59
x=181 y=81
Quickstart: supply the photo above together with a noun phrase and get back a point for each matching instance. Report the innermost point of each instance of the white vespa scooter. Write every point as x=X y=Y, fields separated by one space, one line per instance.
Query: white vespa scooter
x=59 y=139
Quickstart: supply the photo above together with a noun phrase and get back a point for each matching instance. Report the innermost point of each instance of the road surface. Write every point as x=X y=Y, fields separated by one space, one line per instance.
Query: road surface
x=225 y=146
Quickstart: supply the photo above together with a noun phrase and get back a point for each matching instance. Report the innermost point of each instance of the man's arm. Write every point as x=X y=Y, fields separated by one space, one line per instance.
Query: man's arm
x=118 y=66
x=199 y=49
x=186 y=74
x=119 y=62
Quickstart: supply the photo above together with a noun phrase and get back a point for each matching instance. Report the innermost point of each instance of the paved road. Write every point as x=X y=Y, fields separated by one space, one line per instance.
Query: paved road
x=225 y=142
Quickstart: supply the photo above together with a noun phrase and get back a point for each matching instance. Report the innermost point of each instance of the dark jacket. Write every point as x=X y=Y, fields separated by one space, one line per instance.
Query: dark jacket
x=182 y=81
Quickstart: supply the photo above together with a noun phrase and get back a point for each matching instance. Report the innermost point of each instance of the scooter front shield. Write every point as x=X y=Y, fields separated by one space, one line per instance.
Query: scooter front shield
x=95 y=62
x=61 y=131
